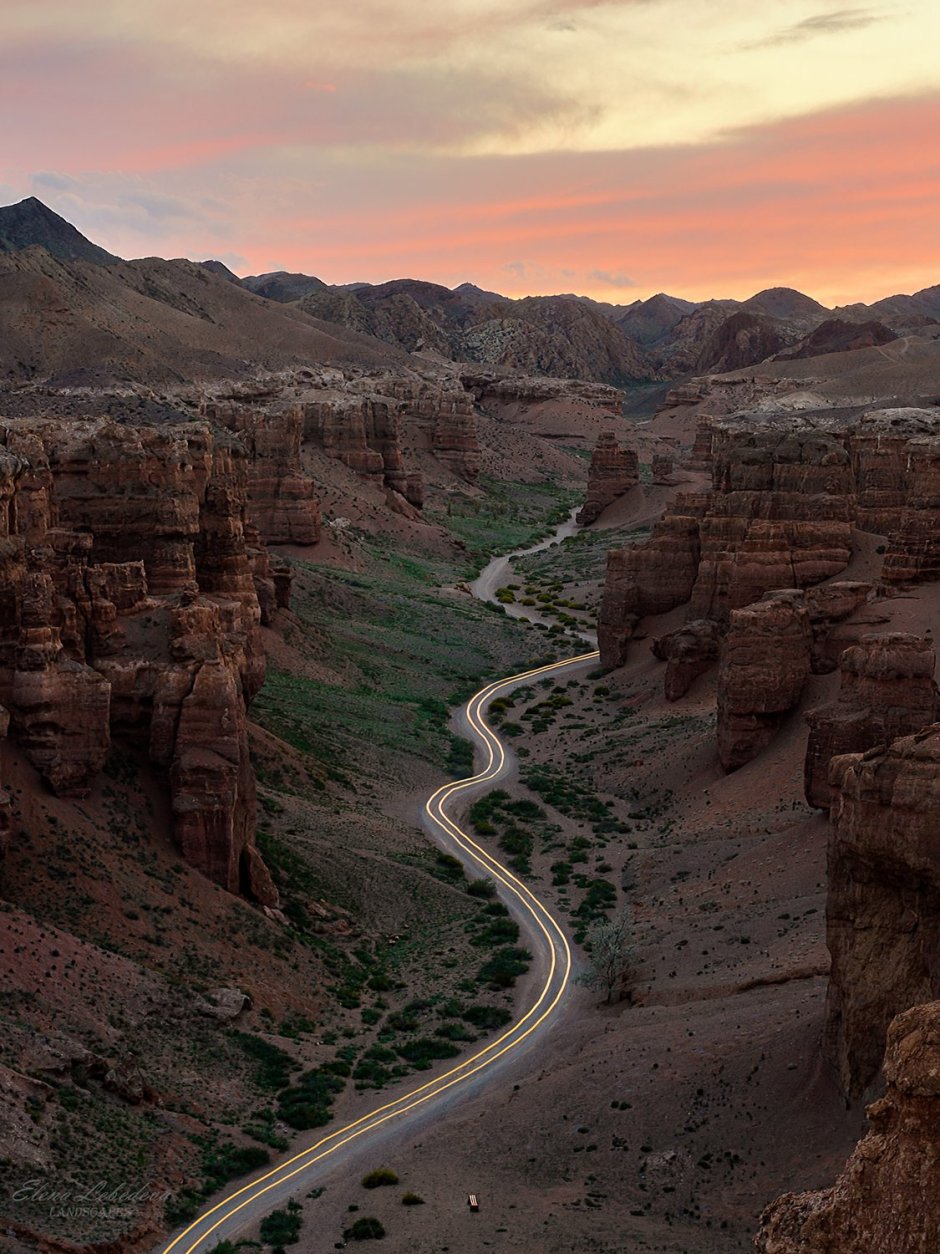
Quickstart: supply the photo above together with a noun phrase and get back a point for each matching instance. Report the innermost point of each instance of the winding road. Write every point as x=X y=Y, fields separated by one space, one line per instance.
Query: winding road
x=338 y=1150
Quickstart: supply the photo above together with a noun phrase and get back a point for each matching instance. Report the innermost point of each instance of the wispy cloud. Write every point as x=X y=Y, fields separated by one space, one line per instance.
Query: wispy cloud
x=836 y=22
x=609 y=279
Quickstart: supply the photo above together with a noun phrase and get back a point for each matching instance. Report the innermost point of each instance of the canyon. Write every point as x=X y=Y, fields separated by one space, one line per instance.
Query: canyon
x=239 y=523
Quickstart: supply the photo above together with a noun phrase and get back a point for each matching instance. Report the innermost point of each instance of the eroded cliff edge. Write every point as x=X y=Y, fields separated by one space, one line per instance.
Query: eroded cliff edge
x=133 y=590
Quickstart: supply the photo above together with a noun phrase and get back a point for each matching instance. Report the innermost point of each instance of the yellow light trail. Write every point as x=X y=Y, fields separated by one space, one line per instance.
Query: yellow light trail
x=192 y=1238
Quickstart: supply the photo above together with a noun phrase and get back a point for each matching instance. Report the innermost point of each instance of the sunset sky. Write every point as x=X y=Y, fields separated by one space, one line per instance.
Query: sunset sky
x=614 y=148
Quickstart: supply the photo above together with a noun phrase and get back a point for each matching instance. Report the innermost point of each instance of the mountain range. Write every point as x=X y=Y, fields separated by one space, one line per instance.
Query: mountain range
x=74 y=313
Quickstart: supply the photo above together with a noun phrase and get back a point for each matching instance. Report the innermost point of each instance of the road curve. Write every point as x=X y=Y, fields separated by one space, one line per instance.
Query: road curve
x=230 y=1217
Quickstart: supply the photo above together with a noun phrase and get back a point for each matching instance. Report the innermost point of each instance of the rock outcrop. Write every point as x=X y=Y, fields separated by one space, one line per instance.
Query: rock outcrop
x=6 y=805
x=282 y=500
x=887 y=691
x=788 y=493
x=764 y=665
x=781 y=517
x=883 y=905
x=613 y=471
x=130 y=608
x=688 y=652
x=650 y=578
x=886 y=1198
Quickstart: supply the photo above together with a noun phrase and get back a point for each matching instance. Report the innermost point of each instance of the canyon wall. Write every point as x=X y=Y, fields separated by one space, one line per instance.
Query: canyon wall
x=765 y=661
x=886 y=1198
x=887 y=691
x=132 y=589
x=883 y=905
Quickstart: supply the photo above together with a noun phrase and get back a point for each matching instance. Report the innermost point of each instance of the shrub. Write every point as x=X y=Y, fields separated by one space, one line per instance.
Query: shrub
x=381 y=1175
x=412 y=1199
x=505 y=965
x=421 y=1052
x=282 y=1227
x=486 y=1017
x=365 y=1229
x=481 y=888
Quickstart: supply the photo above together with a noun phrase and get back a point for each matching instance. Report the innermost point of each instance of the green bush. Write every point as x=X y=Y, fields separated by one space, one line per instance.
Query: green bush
x=282 y=1227
x=412 y=1199
x=487 y=1017
x=381 y=1176
x=365 y=1229
x=423 y=1051
x=505 y=965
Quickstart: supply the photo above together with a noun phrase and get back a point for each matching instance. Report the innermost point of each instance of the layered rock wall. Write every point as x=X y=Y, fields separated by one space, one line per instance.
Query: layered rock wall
x=886 y=1198
x=613 y=471
x=130 y=579
x=788 y=492
x=650 y=578
x=764 y=664
x=883 y=905
x=781 y=517
x=282 y=500
x=887 y=691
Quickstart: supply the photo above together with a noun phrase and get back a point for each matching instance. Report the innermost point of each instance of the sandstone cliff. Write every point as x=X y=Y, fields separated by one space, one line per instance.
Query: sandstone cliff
x=282 y=501
x=613 y=471
x=764 y=664
x=887 y=691
x=886 y=1198
x=652 y=577
x=883 y=905
x=787 y=493
x=130 y=609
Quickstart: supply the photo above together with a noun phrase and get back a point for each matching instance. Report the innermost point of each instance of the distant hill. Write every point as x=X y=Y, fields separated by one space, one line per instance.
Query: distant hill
x=785 y=302
x=78 y=323
x=203 y=319
x=31 y=224
x=282 y=286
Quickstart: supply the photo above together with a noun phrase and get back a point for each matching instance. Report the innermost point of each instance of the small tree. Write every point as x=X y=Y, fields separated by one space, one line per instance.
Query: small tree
x=610 y=954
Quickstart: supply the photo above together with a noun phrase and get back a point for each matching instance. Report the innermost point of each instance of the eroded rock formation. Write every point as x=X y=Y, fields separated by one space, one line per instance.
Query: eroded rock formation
x=764 y=665
x=130 y=607
x=282 y=500
x=887 y=691
x=788 y=491
x=613 y=471
x=650 y=578
x=781 y=517
x=688 y=652
x=886 y=1198
x=883 y=905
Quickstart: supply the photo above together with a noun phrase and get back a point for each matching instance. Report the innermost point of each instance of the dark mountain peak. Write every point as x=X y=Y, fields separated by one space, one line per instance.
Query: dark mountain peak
x=281 y=285
x=784 y=302
x=220 y=269
x=31 y=224
x=470 y=291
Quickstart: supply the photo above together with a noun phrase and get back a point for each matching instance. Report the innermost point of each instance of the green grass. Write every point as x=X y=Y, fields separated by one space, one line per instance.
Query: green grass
x=510 y=516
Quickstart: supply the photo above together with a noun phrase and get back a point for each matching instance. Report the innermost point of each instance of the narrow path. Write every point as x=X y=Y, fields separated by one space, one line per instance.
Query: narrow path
x=338 y=1149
